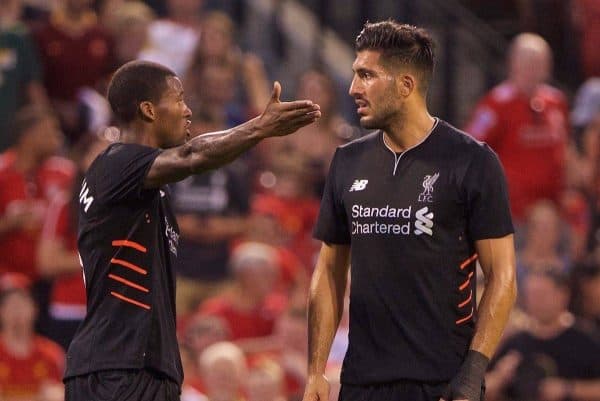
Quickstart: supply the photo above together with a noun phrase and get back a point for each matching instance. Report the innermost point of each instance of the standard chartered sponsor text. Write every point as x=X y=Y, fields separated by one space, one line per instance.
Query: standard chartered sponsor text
x=396 y=227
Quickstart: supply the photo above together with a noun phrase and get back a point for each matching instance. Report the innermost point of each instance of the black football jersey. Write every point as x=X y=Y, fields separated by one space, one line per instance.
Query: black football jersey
x=412 y=220
x=128 y=239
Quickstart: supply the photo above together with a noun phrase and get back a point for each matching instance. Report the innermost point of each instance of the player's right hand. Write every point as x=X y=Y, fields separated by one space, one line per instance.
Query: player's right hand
x=282 y=118
x=317 y=388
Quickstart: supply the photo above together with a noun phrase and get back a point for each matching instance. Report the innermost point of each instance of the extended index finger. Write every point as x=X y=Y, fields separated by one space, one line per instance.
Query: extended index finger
x=296 y=104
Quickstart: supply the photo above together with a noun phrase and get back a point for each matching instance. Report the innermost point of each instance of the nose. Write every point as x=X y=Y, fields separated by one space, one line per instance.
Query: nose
x=188 y=112
x=354 y=86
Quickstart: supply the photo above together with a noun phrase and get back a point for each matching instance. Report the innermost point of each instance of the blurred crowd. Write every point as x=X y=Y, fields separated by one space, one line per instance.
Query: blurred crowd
x=246 y=251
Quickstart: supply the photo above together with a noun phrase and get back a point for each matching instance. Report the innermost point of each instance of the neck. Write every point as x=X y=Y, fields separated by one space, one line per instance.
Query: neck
x=18 y=342
x=140 y=133
x=409 y=130
x=549 y=330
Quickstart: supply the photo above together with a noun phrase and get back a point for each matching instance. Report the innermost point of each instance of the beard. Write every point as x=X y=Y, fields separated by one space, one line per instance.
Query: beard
x=382 y=119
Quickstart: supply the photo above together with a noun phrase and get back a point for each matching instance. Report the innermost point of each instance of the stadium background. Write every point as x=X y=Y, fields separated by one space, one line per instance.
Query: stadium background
x=246 y=249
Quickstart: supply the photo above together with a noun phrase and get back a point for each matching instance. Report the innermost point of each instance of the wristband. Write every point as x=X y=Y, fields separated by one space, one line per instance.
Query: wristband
x=468 y=382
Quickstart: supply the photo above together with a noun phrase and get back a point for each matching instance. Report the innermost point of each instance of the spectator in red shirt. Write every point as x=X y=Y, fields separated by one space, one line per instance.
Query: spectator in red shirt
x=223 y=368
x=288 y=199
x=30 y=176
x=76 y=52
x=57 y=251
x=251 y=306
x=525 y=121
x=31 y=366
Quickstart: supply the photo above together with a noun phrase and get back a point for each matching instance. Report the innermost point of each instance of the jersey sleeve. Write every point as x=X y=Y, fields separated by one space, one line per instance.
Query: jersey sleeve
x=332 y=223
x=488 y=209
x=121 y=172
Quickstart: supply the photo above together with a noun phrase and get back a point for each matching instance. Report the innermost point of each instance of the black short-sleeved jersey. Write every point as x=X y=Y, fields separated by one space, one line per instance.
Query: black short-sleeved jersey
x=128 y=239
x=412 y=220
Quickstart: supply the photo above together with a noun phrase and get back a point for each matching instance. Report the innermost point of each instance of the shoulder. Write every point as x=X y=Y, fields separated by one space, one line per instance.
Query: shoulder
x=456 y=140
x=552 y=94
x=361 y=144
x=6 y=160
x=505 y=92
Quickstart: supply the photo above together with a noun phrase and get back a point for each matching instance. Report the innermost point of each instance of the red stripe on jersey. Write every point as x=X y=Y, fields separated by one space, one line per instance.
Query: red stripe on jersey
x=466 y=301
x=466 y=318
x=468 y=261
x=128 y=265
x=131 y=301
x=130 y=244
x=466 y=283
x=127 y=282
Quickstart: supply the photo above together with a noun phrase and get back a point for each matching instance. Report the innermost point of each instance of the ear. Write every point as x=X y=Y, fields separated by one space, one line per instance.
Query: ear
x=147 y=111
x=406 y=84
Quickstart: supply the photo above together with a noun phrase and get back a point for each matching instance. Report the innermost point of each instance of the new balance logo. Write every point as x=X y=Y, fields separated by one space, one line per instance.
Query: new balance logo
x=424 y=222
x=359 y=185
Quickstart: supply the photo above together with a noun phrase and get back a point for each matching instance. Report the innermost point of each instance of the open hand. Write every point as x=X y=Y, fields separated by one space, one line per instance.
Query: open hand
x=282 y=118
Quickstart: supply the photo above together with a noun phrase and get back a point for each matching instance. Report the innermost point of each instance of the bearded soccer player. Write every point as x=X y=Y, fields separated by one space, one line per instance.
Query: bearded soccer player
x=126 y=347
x=410 y=207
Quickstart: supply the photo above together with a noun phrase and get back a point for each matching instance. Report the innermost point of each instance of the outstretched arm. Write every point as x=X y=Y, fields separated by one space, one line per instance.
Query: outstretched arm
x=215 y=149
x=325 y=307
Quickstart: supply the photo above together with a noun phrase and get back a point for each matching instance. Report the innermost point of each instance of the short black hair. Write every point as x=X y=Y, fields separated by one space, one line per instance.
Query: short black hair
x=135 y=82
x=400 y=44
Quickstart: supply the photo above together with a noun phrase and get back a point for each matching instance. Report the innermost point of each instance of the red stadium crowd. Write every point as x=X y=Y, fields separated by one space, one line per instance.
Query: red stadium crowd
x=246 y=250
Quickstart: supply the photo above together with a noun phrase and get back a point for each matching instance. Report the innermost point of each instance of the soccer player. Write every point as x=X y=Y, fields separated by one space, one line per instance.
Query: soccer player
x=412 y=207
x=126 y=347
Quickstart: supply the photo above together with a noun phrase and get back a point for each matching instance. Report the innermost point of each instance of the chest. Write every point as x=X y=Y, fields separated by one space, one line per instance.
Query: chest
x=402 y=194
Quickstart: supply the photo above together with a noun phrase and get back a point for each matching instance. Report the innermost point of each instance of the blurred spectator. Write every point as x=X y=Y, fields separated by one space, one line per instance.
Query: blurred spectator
x=30 y=176
x=57 y=254
x=31 y=366
x=212 y=211
x=20 y=77
x=71 y=36
x=586 y=293
x=216 y=65
x=251 y=306
x=128 y=23
x=583 y=159
x=586 y=104
x=316 y=142
x=586 y=16
x=525 y=121
x=224 y=371
x=289 y=200
x=555 y=359
x=172 y=41
x=212 y=93
x=541 y=250
x=199 y=332
x=265 y=381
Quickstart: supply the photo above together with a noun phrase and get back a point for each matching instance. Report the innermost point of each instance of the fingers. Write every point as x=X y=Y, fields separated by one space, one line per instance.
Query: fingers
x=297 y=104
x=276 y=92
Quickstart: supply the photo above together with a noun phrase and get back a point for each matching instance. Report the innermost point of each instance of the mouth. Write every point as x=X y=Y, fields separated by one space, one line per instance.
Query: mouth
x=188 y=124
x=362 y=106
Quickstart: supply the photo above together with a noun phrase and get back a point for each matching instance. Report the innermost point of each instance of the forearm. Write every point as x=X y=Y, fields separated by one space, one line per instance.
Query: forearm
x=325 y=307
x=494 y=309
x=216 y=149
